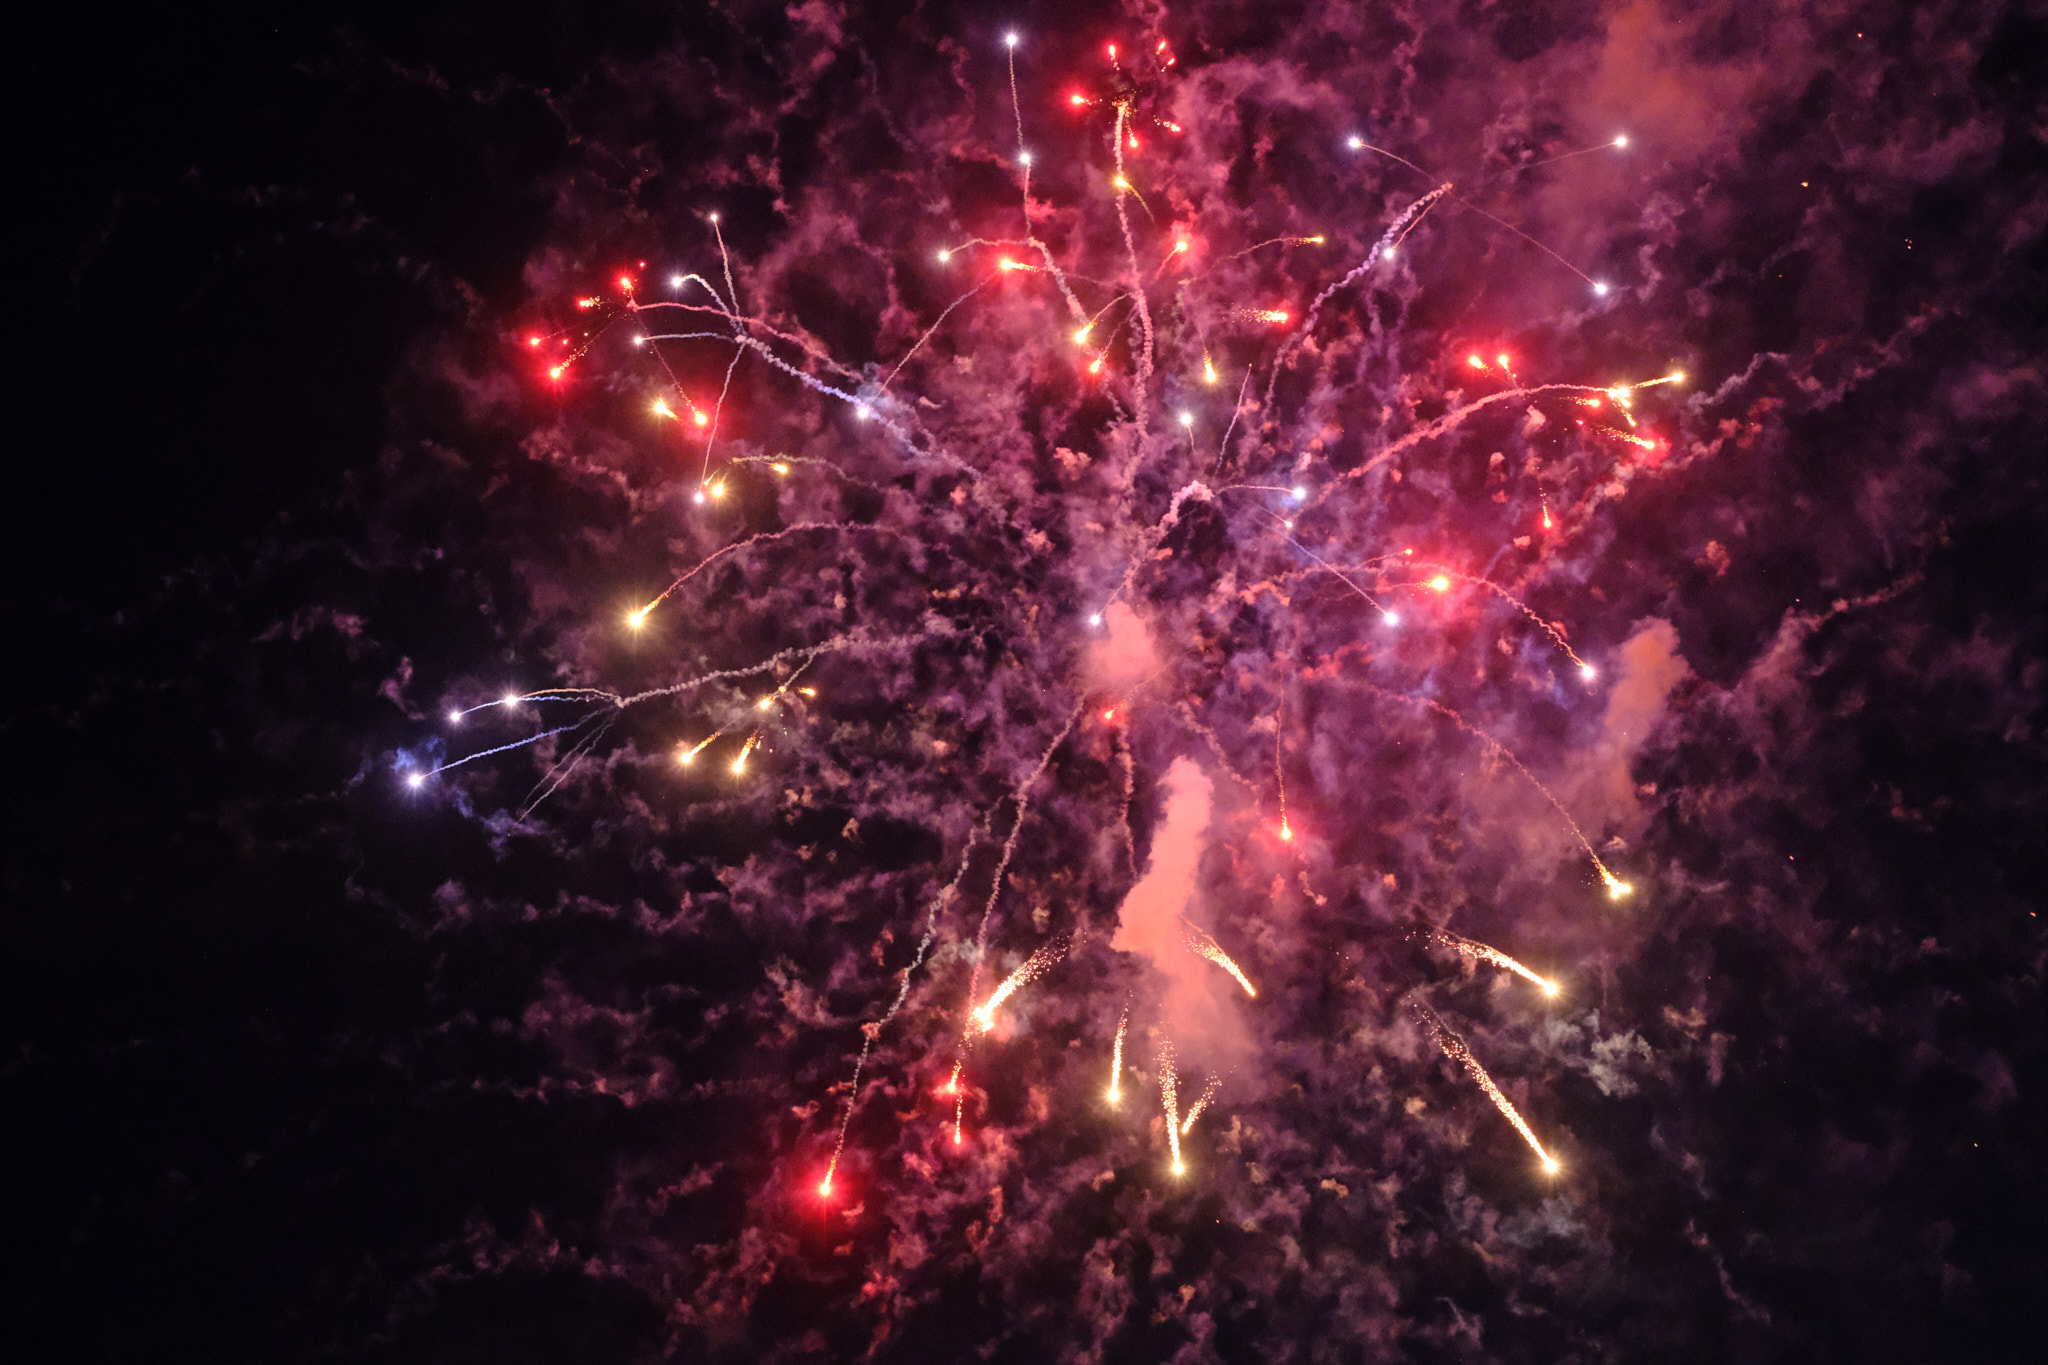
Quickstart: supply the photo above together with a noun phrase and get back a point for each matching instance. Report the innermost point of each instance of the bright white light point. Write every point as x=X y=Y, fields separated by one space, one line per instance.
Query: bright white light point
x=1550 y=988
x=1187 y=419
x=1392 y=618
x=714 y=217
x=639 y=341
x=945 y=256
x=1600 y=288
x=636 y=619
x=1621 y=141
x=1009 y=40
x=1297 y=492
x=1024 y=157
x=699 y=497
x=1096 y=619
x=1355 y=143
x=1179 y=1169
x=455 y=718
x=1588 y=672
x=1678 y=376
x=1550 y=1165
x=764 y=703
x=861 y=412
x=511 y=699
x=675 y=281
x=1440 y=583
x=415 y=779
x=825 y=1185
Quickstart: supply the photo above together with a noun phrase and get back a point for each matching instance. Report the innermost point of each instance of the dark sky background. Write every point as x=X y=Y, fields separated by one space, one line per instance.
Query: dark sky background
x=303 y=1063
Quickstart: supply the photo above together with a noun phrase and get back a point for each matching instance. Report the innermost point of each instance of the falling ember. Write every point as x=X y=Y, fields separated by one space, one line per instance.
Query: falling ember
x=825 y=1187
x=1440 y=584
x=739 y=765
x=1034 y=967
x=1187 y=1125
x=1169 y=1094
x=1199 y=941
x=1286 y=831
x=1116 y=1058
x=1208 y=371
x=1454 y=1048
x=1480 y=952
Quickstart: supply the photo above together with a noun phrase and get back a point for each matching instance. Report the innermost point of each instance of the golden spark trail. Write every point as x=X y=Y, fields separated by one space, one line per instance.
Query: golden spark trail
x=1481 y=952
x=1170 y=1095
x=1199 y=942
x=1033 y=968
x=1454 y=1048
x=1187 y=1125
x=1616 y=887
x=1116 y=1058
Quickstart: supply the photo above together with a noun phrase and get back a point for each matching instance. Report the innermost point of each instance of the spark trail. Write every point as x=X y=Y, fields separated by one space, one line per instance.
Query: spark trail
x=1116 y=1057
x=1033 y=968
x=1480 y=952
x=1454 y=1048
x=1187 y=1125
x=1202 y=945
x=1169 y=1095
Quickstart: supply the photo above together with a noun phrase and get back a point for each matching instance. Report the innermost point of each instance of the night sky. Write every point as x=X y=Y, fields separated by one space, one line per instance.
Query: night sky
x=1721 y=703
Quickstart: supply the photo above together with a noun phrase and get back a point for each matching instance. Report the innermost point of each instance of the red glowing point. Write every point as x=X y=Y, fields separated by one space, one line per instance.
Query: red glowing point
x=1477 y=363
x=555 y=373
x=1286 y=831
x=825 y=1188
x=1112 y=51
x=1078 y=100
x=956 y=1137
x=533 y=341
x=626 y=283
x=1134 y=144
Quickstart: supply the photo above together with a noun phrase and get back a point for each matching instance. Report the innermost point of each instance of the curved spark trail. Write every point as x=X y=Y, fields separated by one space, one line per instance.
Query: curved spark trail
x=1480 y=952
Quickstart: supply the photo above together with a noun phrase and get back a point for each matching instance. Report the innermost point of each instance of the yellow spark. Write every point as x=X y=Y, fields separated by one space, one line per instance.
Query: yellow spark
x=662 y=409
x=1116 y=1058
x=637 y=619
x=1081 y=336
x=1440 y=583
x=779 y=467
x=1208 y=371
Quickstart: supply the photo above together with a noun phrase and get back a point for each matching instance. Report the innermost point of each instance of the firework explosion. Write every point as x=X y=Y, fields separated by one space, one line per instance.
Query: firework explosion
x=1240 y=517
x=936 y=567
x=1151 y=548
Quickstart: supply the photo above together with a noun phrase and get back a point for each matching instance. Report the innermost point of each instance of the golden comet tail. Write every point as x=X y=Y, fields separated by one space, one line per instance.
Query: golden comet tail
x=1187 y=1125
x=1480 y=952
x=1116 y=1058
x=1170 y=1096
x=1202 y=944
x=1454 y=1048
